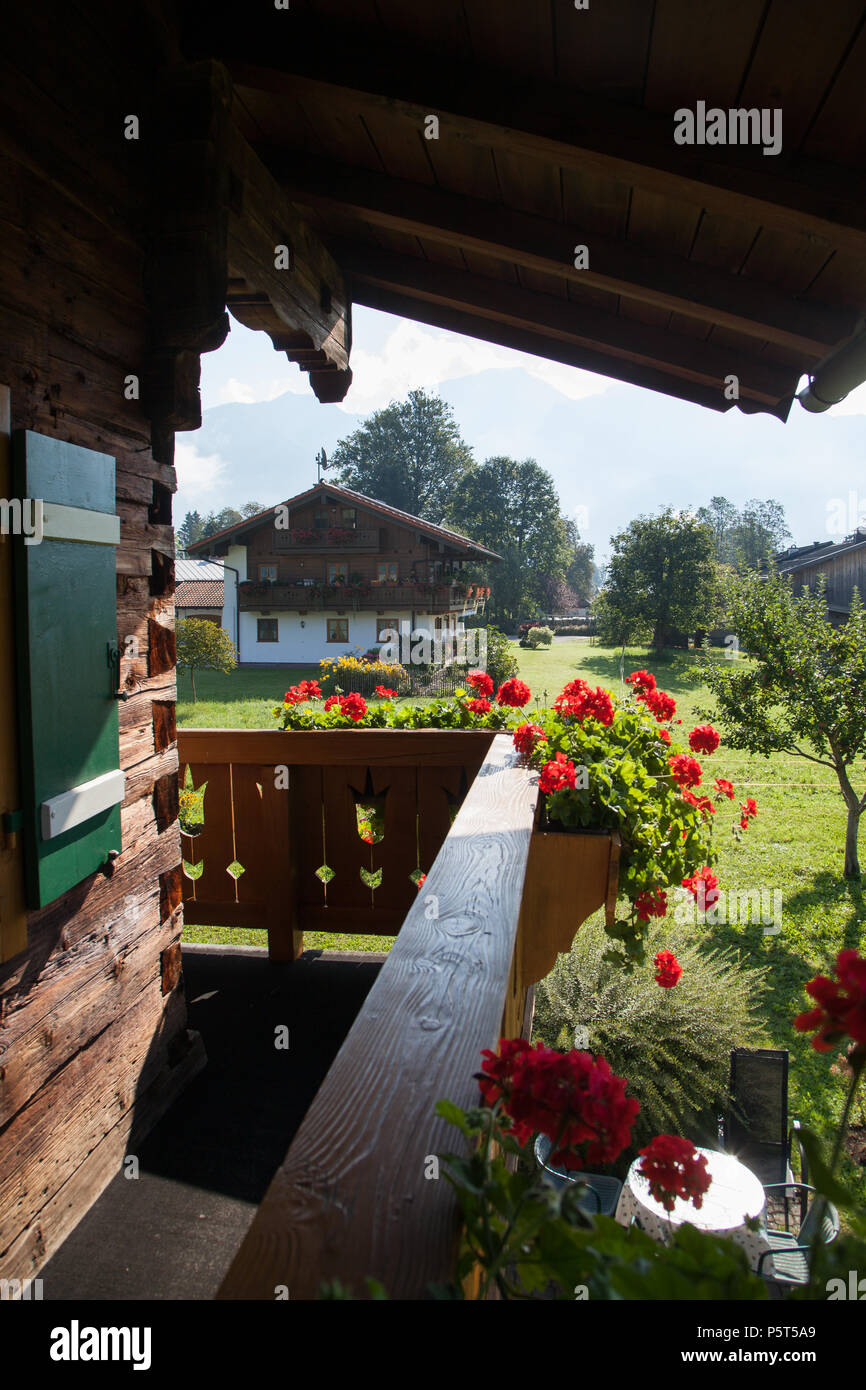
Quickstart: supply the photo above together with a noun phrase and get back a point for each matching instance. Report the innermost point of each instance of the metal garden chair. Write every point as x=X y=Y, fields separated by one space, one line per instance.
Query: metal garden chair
x=790 y=1253
x=602 y=1192
x=755 y=1128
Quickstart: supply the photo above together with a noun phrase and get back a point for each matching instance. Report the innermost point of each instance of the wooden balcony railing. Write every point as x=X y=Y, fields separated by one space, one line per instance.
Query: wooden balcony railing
x=342 y=539
x=291 y=858
x=354 y=1197
x=266 y=597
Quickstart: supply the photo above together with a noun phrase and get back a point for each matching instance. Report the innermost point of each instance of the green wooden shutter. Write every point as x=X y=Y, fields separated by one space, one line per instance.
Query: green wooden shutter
x=66 y=648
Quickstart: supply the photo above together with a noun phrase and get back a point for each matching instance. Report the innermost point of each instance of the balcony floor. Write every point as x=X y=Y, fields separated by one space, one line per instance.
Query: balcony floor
x=172 y=1233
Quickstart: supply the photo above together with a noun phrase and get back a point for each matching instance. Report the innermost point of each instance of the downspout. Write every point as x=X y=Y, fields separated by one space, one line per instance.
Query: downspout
x=237 y=575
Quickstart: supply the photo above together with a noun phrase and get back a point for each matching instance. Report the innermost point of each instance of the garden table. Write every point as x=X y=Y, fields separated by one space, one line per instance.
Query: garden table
x=735 y=1196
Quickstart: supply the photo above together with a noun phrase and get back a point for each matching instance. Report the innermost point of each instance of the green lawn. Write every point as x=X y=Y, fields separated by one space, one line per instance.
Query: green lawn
x=795 y=846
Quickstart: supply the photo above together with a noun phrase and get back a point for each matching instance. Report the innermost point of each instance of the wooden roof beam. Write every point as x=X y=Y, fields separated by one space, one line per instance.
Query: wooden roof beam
x=472 y=224
x=568 y=129
x=525 y=340
x=690 y=359
x=217 y=222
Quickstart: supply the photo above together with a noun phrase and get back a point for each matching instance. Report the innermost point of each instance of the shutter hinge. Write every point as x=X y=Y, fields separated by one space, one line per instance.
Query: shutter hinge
x=113 y=659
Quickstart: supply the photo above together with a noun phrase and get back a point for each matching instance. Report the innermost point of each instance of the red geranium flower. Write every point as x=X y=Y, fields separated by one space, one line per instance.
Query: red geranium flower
x=573 y=1098
x=664 y=736
x=515 y=693
x=419 y=881
x=352 y=706
x=685 y=771
x=841 y=1010
x=577 y=701
x=704 y=887
x=526 y=736
x=674 y=1168
x=384 y=693
x=307 y=690
x=659 y=703
x=479 y=706
x=724 y=787
x=556 y=775
x=704 y=739
x=668 y=969
x=641 y=680
x=480 y=682
x=651 y=904
x=703 y=803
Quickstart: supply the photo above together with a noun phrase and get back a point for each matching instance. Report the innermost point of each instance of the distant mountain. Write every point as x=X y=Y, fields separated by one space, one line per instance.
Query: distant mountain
x=616 y=454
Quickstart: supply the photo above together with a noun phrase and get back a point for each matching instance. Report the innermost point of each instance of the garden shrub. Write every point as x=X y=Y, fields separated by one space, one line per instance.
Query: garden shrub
x=540 y=636
x=501 y=661
x=673 y=1045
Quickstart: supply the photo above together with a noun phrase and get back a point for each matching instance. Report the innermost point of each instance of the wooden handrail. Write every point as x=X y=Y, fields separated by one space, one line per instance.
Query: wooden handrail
x=353 y=1198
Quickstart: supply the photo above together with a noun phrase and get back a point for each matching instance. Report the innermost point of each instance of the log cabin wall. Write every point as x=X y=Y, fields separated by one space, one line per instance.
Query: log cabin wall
x=93 y=1037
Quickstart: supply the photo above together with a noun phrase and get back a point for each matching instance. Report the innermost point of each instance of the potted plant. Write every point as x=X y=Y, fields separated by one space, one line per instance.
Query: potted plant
x=619 y=816
x=613 y=771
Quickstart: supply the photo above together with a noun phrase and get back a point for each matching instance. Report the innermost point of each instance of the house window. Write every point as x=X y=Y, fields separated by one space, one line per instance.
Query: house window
x=336 y=572
x=386 y=572
x=267 y=572
x=338 y=629
x=321 y=520
x=350 y=518
x=266 y=630
x=382 y=626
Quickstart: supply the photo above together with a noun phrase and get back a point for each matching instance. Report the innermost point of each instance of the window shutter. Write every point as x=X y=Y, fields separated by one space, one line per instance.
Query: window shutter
x=67 y=665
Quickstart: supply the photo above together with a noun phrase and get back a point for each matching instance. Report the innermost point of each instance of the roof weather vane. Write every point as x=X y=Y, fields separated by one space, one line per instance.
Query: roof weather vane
x=321 y=463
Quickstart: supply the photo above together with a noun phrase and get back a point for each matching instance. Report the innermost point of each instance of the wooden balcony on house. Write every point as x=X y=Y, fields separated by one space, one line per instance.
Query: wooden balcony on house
x=500 y=899
x=269 y=597
x=329 y=539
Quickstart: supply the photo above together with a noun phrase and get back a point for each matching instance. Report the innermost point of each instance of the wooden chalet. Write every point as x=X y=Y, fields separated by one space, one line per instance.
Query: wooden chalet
x=331 y=571
x=840 y=564
x=504 y=170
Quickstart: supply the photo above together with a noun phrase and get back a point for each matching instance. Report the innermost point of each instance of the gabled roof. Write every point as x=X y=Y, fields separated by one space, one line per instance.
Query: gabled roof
x=800 y=557
x=199 y=593
x=198 y=570
x=231 y=534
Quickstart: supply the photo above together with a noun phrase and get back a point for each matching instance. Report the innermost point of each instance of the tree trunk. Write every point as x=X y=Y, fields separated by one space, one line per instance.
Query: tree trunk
x=659 y=632
x=192 y=678
x=852 y=863
x=855 y=810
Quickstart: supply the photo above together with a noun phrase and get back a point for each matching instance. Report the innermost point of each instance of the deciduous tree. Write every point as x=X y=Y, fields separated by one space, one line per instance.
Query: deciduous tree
x=802 y=692
x=662 y=573
x=409 y=455
x=203 y=645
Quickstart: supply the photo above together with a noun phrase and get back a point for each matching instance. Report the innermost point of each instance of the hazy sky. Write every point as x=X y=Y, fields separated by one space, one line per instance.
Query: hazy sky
x=615 y=450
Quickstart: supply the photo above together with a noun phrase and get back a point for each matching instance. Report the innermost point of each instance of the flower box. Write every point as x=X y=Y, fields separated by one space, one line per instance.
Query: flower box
x=570 y=875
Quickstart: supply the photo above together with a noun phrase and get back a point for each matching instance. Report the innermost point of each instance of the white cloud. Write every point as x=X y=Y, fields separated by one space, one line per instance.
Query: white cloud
x=263 y=389
x=415 y=356
x=198 y=475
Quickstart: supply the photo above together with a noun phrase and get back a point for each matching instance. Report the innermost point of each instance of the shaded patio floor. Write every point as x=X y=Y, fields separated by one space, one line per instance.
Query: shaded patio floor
x=172 y=1232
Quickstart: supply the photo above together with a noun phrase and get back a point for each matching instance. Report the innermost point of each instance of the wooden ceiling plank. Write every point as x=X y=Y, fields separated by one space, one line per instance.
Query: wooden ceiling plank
x=800 y=48
x=476 y=226
x=841 y=122
x=572 y=130
x=703 y=56
x=512 y=36
x=604 y=49
x=582 y=326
